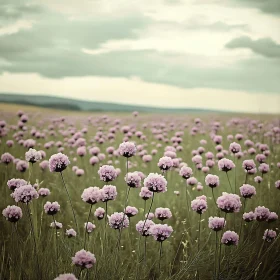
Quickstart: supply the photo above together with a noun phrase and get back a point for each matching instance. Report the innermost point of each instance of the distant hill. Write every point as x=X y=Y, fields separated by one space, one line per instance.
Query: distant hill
x=81 y=105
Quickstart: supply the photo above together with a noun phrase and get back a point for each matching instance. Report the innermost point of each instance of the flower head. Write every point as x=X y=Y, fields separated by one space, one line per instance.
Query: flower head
x=212 y=181
x=51 y=208
x=229 y=202
x=269 y=235
x=248 y=165
x=25 y=194
x=118 y=220
x=91 y=195
x=33 y=156
x=230 y=238
x=58 y=162
x=99 y=213
x=249 y=217
x=127 y=149
x=186 y=172
x=108 y=192
x=131 y=211
x=145 y=193
x=247 y=191
x=133 y=179
x=272 y=217
x=234 y=147
x=71 y=233
x=144 y=230
x=225 y=164
x=155 y=183
x=107 y=173
x=12 y=213
x=165 y=163
x=89 y=227
x=163 y=213
x=56 y=225
x=261 y=213
x=15 y=183
x=160 y=232
x=216 y=223
x=44 y=192
x=66 y=276
x=264 y=168
x=199 y=204
x=84 y=259
x=7 y=158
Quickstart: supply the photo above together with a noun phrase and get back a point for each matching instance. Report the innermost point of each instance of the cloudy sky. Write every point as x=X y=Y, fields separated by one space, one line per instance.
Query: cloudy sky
x=218 y=54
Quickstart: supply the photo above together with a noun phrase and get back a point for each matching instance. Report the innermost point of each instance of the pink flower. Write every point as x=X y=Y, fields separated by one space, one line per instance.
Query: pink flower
x=66 y=276
x=144 y=230
x=108 y=192
x=131 y=211
x=225 y=164
x=15 y=183
x=7 y=158
x=160 y=232
x=230 y=238
x=33 y=156
x=127 y=149
x=25 y=194
x=269 y=235
x=12 y=213
x=165 y=163
x=84 y=259
x=229 y=202
x=155 y=183
x=51 y=208
x=91 y=195
x=99 y=213
x=261 y=213
x=107 y=173
x=186 y=172
x=249 y=217
x=199 y=204
x=58 y=162
x=118 y=220
x=216 y=223
x=212 y=181
x=145 y=193
x=89 y=227
x=247 y=191
x=163 y=213
x=133 y=180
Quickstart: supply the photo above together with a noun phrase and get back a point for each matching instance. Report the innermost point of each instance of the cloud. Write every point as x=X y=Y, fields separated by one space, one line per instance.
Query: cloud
x=264 y=46
x=266 y=6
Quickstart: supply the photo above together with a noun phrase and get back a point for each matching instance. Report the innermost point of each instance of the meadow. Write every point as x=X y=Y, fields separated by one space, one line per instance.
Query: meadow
x=170 y=160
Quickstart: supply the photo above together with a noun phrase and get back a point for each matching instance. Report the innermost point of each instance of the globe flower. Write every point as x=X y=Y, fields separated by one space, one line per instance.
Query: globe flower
x=264 y=168
x=229 y=202
x=145 y=193
x=155 y=183
x=107 y=173
x=12 y=213
x=165 y=163
x=99 y=213
x=21 y=166
x=225 y=164
x=261 y=213
x=199 y=204
x=212 y=181
x=230 y=238
x=44 y=192
x=269 y=235
x=133 y=179
x=247 y=191
x=58 y=162
x=192 y=181
x=118 y=220
x=186 y=172
x=33 y=156
x=108 y=192
x=127 y=149
x=160 y=232
x=143 y=227
x=249 y=217
x=216 y=223
x=71 y=233
x=248 y=165
x=131 y=211
x=234 y=147
x=25 y=194
x=51 y=208
x=84 y=259
x=7 y=158
x=91 y=195
x=163 y=213
x=15 y=183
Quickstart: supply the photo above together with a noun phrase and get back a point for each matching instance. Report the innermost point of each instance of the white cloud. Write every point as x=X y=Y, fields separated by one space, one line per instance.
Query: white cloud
x=136 y=91
x=15 y=27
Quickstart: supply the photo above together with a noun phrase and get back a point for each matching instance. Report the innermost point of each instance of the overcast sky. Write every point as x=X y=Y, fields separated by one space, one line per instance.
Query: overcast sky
x=217 y=54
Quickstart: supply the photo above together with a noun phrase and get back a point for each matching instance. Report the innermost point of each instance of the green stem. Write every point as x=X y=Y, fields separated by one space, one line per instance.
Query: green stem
x=56 y=242
x=229 y=182
x=86 y=226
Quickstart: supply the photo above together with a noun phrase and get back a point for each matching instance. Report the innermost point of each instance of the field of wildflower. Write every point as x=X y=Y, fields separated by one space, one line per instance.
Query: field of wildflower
x=138 y=196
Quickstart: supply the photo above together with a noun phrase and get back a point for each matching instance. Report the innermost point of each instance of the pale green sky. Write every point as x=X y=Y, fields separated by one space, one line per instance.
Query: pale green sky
x=217 y=54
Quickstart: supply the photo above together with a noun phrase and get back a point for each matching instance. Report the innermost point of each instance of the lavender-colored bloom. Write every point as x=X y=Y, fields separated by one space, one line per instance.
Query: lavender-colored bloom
x=58 y=162
x=247 y=191
x=81 y=151
x=249 y=217
x=131 y=211
x=258 y=179
x=108 y=192
x=277 y=184
x=248 y=165
x=216 y=223
x=84 y=259
x=165 y=163
x=229 y=202
x=56 y=225
x=51 y=208
x=147 y=158
x=145 y=193
x=44 y=164
x=199 y=204
x=127 y=149
x=93 y=160
x=212 y=181
x=210 y=163
x=197 y=159
x=260 y=158
x=15 y=183
x=25 y=194
x=44 y=192
x=21 y=166
x=71 y=233
x=192 y=181
x=79 y=172
x=12 y=213
x=118 y=220
x=261 y=213
x=133 y=179
x=149 y=216
x=33 y=156
x=7 y=158
x=272 y=217
x=234 y=147
x=66 y=276
x=160 y=232
x=144 y=230
x=209 y=155
x=264 y=168
x=90 y=227
x=99 y=213
x=225 y=164
x=91 y=195
x=155 y=183
x=230 y=238
x=163 y=213
x=186 y=172
x=269 y=235
x=107 y=173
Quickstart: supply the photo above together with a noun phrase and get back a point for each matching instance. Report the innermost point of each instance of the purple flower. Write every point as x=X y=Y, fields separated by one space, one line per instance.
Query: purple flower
x=197 y=159
x=12 y=213
x=108 y=192
x=261 y=213
x=44 y=192
x=144 y=230
x=71 y=233
x=258 y=179
x=51 y=208
x=192 y=181
x=33 y=156
x=247 y=191
x=44 y=164
x=277 y=184
x=160 y=232
x=133 y=179
x=107 y=173
x=163 y=213
x=229 y=202
x=264 y=168
x=25 y=194
x=145 y=193
x=56 y=225
x=186 y=172
x=199 y=204
x=248 y=165
x=15 y=183
x=149 y=216
x=91 y=195
x=272 y=217
x=81 y=151
x=212 y=180
x=131 y=211
x=21 y=165
x=269 y=235
x=249 y=217
x=225 y=164
x=230 y=238
x=58 y=162
x=7 y=158
x=84 y=259
x=93 y=160
x=89 y=227
x=99 y=213
x=66 y=276
x=155 y=183
x=234 y=147
x=127 y=149
x=118 y=220
x=79 y=172
x=260 y=158
x=216 y=223
x=165 y=163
